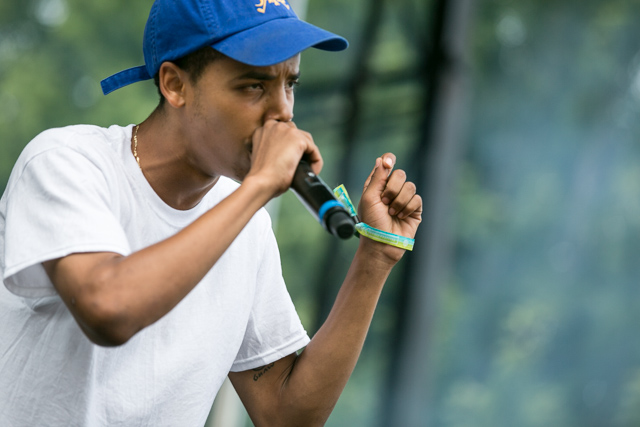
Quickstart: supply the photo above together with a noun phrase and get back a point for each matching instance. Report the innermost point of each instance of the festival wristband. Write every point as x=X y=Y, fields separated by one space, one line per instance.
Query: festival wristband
x=368 y=231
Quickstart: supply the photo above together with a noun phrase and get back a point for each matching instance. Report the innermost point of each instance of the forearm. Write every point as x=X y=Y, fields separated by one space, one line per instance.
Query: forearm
x=324 y=367
x=119 y=296
x=302 y=390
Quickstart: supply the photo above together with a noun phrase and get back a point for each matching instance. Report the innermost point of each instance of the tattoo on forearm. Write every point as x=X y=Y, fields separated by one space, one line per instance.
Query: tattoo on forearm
x=261 y=371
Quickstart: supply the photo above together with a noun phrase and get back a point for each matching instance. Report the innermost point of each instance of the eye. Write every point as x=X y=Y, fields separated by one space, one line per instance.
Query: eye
x=293 y=84
x=252 y=87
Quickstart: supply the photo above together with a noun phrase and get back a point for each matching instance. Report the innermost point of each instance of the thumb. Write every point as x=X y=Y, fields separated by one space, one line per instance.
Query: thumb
x=377 y=180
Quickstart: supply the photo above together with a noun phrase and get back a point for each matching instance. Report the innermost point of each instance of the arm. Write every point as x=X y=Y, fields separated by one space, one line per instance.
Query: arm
x=302 y=390
x=112 y=297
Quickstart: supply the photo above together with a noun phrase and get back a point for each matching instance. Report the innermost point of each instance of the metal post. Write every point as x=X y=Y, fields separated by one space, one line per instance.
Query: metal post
x=407 y=402
x=327 y=285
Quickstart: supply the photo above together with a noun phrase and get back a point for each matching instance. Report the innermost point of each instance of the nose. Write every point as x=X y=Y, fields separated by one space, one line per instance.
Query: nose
x=280 y=106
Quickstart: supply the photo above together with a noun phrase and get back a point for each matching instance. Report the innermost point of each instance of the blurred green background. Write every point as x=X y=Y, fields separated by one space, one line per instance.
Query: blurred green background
x=520 y=122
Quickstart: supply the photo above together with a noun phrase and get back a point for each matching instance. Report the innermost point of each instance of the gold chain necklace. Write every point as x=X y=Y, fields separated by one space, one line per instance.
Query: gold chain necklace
x=135 y=145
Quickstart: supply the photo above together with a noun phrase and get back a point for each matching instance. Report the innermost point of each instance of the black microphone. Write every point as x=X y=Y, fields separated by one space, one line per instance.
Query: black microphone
x=320 y=201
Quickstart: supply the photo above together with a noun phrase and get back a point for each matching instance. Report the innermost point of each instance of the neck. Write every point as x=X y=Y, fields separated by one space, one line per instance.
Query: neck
x=162 y=150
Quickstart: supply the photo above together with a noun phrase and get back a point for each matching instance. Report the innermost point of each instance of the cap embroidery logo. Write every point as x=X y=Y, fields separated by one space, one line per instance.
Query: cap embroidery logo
x=262 y=6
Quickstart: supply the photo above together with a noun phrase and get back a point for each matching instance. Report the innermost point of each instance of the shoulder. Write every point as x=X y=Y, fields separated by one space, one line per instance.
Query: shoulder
x=79 y=142
x=81 y=150
x=81 y=138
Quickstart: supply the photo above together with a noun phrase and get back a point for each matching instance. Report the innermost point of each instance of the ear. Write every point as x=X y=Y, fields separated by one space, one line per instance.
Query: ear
x=173 y=82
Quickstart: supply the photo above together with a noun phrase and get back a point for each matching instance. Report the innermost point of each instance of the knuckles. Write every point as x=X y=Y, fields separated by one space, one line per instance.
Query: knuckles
x=410 y=187
x=400 y=175
x=277 y=149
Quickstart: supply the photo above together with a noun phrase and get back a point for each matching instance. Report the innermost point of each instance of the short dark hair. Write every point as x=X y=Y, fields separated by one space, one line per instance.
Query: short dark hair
x=193 y=63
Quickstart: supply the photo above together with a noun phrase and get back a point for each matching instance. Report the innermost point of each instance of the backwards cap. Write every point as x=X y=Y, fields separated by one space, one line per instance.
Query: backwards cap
x=261 y=34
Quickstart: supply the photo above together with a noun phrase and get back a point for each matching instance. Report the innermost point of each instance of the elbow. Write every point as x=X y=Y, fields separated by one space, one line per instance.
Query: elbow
x=105 y=321
x=97 y=297
x=104 y=340
x=106 y=337
x=307 y=415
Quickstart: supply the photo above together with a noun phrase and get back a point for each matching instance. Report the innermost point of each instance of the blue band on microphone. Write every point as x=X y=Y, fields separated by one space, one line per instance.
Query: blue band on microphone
x=325 y=207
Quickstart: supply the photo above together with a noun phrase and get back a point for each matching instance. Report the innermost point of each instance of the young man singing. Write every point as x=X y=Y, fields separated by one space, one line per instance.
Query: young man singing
x=139 y=265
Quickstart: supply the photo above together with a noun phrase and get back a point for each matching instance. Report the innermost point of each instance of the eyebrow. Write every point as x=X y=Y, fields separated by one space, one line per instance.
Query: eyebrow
x=256 y=75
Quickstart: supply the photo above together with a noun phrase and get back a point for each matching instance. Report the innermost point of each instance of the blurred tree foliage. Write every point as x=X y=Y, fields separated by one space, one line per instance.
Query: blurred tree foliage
x=536 y=325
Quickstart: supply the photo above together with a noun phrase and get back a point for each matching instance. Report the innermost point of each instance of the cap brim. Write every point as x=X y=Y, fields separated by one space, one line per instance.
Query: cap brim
x=124 y=78
x=276 y=41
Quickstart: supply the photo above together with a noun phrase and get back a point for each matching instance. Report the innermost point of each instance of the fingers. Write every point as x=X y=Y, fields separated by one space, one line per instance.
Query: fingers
x=276 y=150
x=393 y=189
x=378 y=176
x=400 y=195
x=313 y=156
x=284 y=140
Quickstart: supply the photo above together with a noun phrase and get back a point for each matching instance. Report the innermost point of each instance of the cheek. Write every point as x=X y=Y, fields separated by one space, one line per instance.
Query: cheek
x=229 y=139
x=227 y=128
x=237 y=120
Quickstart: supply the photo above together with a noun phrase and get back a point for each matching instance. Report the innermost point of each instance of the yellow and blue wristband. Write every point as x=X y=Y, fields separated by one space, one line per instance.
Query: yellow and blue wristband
x=368 y=231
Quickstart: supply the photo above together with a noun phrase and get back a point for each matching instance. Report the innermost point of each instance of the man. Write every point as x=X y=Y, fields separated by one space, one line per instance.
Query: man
x=139 y=274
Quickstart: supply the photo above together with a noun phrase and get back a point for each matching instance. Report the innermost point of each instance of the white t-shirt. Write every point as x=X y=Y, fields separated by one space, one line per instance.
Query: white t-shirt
x=79 y=189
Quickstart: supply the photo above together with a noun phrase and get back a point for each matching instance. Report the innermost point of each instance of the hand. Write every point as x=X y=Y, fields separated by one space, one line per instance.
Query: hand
x=276 y=151
x=389 y=203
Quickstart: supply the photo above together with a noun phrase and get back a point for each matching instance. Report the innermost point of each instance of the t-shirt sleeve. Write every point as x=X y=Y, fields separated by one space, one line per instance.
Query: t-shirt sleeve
x=59 y=203
x=274 y=329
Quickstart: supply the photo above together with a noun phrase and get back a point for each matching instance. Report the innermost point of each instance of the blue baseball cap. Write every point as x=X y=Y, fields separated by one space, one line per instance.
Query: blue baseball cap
x=261 y=34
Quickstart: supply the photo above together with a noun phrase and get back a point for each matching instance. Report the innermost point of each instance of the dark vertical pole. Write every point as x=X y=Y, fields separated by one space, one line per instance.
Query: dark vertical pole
x=407 y=402
x=327 y=283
